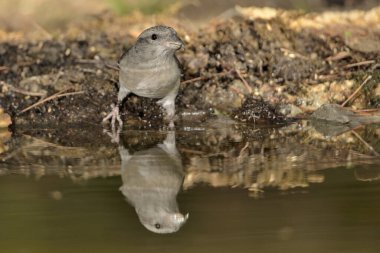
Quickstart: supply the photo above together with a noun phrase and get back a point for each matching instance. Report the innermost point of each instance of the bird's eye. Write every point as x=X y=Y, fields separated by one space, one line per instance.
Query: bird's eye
x=154 y=36
x=157 y=225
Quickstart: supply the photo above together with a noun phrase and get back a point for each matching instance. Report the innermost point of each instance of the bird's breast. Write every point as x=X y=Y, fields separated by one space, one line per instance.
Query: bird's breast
x=150 y=80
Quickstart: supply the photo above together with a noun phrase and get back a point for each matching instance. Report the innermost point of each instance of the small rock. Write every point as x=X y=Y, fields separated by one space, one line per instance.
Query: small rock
x=56 y=195
x=340 y=90
x=5 y=119
x=290 y=110
x=225 y=101
x=197 y=62
x=377 y=91
x=333 y=112
x=255 y=110
x=365 y=42
x=36 y=83
x=341 y=115
x=316 y=96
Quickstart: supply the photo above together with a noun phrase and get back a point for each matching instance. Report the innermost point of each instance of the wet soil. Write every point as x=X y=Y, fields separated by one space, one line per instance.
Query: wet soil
x=250 y=68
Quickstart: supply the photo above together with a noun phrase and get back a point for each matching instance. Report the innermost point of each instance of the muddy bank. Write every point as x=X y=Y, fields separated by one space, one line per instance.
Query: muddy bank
x=255 y=64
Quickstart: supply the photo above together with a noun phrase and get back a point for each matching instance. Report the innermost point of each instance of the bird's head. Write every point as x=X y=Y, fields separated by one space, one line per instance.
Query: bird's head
x=159 y=39
x=164 y=223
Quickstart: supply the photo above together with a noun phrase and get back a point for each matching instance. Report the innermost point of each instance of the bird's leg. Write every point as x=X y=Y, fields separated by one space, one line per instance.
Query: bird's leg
x=115 y=112
x=114 y=115
x=168 y=103
x=169 y=144
x=124 y=154
x=114 y=135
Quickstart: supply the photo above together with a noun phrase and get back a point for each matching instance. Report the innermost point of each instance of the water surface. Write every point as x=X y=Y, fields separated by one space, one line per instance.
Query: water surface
x=245 y=188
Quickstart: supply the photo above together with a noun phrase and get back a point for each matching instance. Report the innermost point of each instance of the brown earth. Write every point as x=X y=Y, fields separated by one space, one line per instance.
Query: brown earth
x=255 y=64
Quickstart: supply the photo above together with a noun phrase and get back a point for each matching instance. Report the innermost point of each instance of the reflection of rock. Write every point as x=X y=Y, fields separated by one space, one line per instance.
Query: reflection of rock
x=333 y=120
x=151 y=181
x=367 y=173
x=333 y=113
x=341 y=115
x=42 y=157
x=329 y=129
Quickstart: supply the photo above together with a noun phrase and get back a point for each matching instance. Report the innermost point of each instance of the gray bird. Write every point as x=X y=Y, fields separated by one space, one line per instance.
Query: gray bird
x=151 y=181
x=150 y=69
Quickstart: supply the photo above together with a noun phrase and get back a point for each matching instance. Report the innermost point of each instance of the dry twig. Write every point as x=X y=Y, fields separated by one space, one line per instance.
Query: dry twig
x=365 y=143
x=87 y=61
x=97 y=62
x=70 y=93
x=22 y=91
x=3 y=68
x=326 y=77
x=43 y=30
x=110 y=66
x=357 y=90
x=244 y=81
x=195 y=79
x=359 y=64
x=237 y=91
x=192 y=151
x=56 y=95
x=339 y=56
x=367 y=110
x=200 y=78
x=243 y=149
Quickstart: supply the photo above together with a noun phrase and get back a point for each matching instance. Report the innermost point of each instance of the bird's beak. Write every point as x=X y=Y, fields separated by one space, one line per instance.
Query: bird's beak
x=181 y=42
x=180 y=218
x=177 y=43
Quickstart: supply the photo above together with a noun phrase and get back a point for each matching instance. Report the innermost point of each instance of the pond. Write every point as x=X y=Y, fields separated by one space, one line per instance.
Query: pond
x=218 y=186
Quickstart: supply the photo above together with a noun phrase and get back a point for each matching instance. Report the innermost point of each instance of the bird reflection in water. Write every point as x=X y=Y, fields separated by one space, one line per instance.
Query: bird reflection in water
x=152 y=178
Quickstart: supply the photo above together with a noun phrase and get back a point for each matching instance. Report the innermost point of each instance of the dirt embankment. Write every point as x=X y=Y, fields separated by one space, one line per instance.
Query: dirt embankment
x=255 y=64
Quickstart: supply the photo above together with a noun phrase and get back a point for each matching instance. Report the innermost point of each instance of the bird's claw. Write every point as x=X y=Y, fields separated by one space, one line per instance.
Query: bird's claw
x=114 y=135
x=113 y=115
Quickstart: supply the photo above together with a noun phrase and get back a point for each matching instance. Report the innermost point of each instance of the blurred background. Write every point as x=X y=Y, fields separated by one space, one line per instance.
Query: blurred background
x=16 y=15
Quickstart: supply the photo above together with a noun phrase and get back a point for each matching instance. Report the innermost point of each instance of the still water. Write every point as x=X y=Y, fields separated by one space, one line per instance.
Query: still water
x=219 y=187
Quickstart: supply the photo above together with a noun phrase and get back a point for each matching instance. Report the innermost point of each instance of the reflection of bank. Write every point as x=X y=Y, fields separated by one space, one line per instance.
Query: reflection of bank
x=287 y=157
x=218 y=152
x=152 y=178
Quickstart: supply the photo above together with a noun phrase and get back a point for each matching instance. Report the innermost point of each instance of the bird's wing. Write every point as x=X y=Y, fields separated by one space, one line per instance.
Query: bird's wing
x=123 y=55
